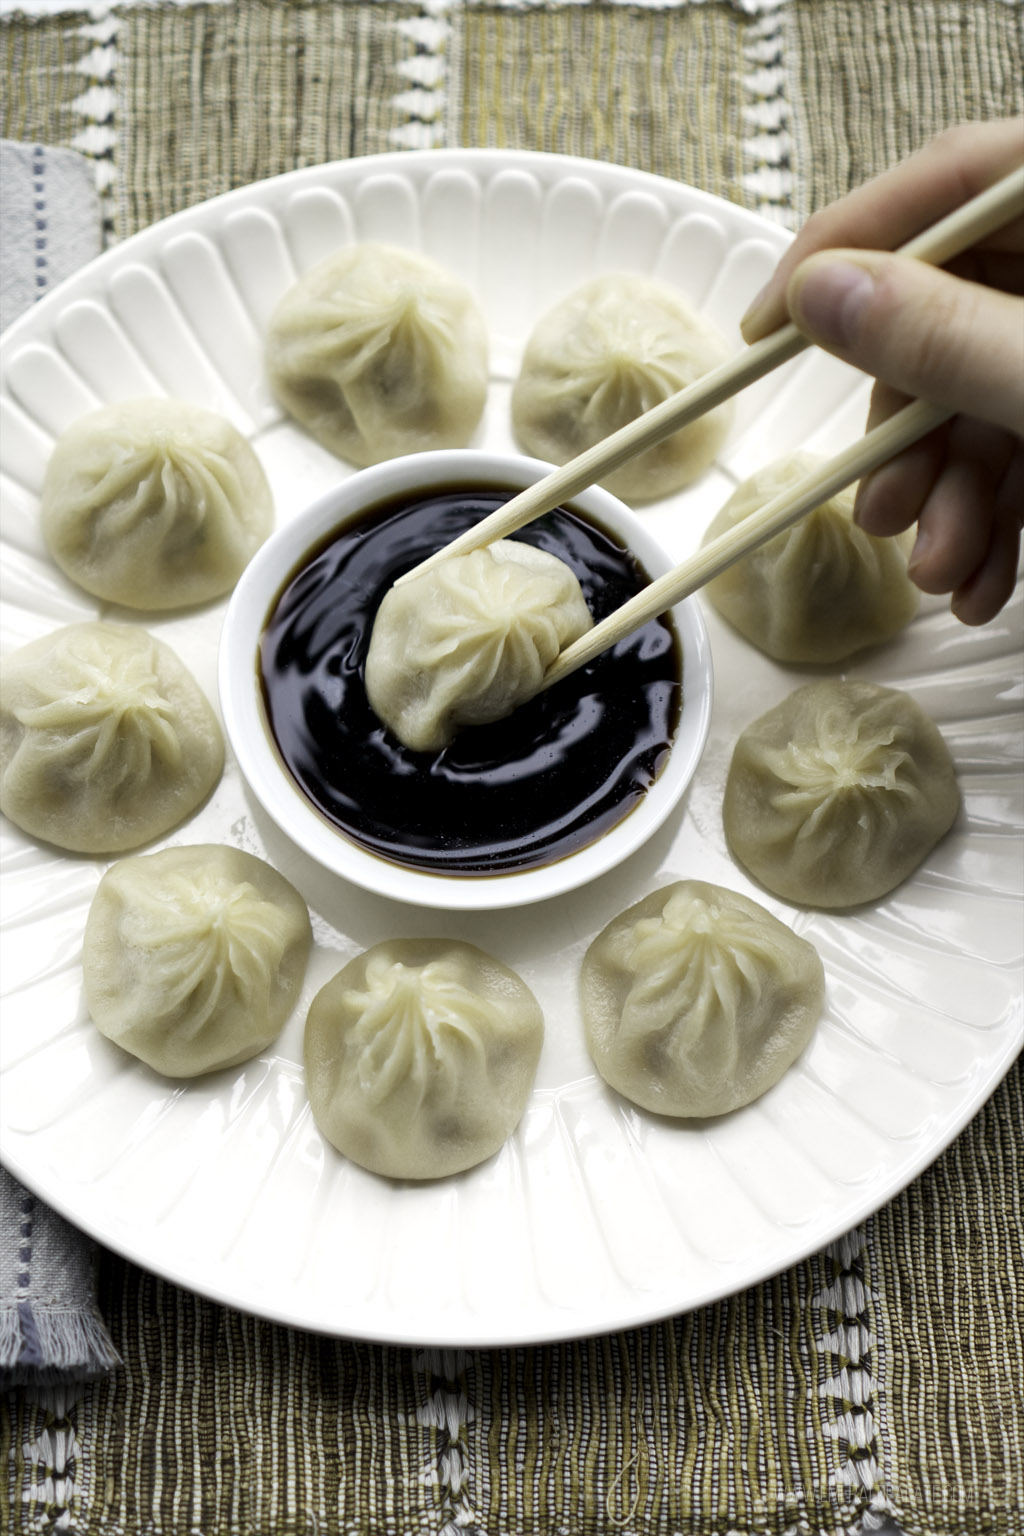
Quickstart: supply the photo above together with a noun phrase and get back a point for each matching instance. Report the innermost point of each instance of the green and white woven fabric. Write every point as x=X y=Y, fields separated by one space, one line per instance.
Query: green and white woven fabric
x=771 y=105
x=882 y=1376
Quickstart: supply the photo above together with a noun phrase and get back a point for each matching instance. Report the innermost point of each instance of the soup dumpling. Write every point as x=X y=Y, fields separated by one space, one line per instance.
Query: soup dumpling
x=420 y=1057
x=613 y=349
x=820 y=590
x=837 y=794
x=194 y=957
x=154 y=504
x=106 y=739
x=696 y=1000
x=470 y=639
x=379 y=352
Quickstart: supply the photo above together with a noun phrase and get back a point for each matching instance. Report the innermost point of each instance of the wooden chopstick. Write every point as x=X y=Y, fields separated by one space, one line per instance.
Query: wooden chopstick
x=959 y=230
x=885 y=440
x=606 y=456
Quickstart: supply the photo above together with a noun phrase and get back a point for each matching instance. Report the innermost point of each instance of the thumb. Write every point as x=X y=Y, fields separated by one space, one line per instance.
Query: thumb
x=916 y=328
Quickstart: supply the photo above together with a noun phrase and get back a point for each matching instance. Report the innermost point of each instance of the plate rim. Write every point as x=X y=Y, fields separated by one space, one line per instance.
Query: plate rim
x=465 y=1338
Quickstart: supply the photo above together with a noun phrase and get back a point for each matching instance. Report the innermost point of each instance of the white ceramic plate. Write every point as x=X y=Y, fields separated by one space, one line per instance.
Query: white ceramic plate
x=594 y=1216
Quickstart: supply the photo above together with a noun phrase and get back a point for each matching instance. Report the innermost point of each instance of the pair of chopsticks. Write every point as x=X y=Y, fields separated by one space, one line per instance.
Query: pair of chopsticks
x=982 y=216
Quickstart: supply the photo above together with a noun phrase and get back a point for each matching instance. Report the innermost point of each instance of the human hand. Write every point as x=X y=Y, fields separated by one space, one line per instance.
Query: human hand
x=953 y=336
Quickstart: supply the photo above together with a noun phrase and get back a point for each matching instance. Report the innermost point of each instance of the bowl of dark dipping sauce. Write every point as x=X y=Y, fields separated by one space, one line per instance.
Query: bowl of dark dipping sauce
x=512 y=812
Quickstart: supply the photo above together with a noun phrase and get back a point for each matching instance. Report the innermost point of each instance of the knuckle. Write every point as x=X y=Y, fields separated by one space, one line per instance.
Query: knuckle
x=817 y=233
x=924 y=340
x=948 y=140
x=933 y=338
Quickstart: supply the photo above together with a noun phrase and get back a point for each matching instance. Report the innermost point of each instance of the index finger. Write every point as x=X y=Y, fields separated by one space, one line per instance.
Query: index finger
x=893 y=207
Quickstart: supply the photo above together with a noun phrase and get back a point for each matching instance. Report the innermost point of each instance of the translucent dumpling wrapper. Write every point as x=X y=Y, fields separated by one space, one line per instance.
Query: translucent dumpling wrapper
x=822 y=589
x=379 y=352
x=696 y=1000
x=194 y=957
x=154 y=504
x=106 y=739
x=420 y=1057
x=837 y=794
x=469 y=640
x=613 y=349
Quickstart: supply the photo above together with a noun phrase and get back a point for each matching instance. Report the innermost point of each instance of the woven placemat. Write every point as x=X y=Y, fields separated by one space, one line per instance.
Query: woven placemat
x=659 y=89
x=882 y=1374
x=176 y=103
x=948 y=1261
x=715 y=1419
x=869 y=81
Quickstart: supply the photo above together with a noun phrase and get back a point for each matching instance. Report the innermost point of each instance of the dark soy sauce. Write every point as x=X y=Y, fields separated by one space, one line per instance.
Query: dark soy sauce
x=510 y=796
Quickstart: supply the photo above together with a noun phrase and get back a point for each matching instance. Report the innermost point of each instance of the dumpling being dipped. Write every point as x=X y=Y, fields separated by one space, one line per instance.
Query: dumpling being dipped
x=822 y=589
x=613 y=349
x=154 y=504
x=696 y=1000
x=378 y=352
x=470 y=639
x=420 y=1056
x=106 y=739
x=194 y=957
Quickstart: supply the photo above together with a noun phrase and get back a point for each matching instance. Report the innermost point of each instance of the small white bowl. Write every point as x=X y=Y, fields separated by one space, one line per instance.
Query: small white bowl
x=253 y=603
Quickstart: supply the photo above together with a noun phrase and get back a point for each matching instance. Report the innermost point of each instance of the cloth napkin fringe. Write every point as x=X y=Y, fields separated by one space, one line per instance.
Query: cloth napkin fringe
x=48 y=1347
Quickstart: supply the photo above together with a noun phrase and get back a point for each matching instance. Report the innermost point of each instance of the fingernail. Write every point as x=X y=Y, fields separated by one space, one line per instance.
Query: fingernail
x=919 y=552
x=866 y=512
x=862 y=498
x=829 y=299
x=748 y=324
